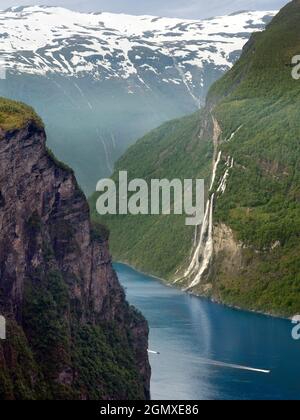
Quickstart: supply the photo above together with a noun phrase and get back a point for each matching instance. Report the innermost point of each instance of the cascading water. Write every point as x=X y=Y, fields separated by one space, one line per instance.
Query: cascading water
x=215 y=170
x=203 y=253
x=208 y=248
x=223 y=184
x=195 y=260
x=233 y=134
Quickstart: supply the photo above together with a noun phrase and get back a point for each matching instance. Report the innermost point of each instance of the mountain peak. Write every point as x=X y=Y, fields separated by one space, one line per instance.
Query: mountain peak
x=87 y=67
x=54 y=40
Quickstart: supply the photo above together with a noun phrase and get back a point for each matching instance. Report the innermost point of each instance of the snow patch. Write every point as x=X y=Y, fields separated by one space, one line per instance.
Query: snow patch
x=111 y=45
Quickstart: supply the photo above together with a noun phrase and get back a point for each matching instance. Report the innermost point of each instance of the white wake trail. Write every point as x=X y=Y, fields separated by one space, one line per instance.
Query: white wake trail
x=232 y=366
x=153 y=352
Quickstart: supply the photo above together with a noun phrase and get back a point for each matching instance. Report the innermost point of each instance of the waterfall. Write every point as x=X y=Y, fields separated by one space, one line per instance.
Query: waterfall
x=204 y=250
x=223 y=183
x=208 y=249
x=195 y=260
x=207 y=224
x=195 y=237
x=203 y=253
x=215 y=170
x=186 y=82
x=233 y=134
x=194 y=265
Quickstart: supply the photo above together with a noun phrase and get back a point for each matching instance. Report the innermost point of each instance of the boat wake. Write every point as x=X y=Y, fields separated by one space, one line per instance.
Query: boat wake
x=232 y=366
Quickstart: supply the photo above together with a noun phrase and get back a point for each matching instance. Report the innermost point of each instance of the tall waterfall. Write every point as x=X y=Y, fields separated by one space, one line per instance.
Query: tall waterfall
x=223 y=183
x=204 y=248
x=195 y=260
x=215 y=170
x=208 y=248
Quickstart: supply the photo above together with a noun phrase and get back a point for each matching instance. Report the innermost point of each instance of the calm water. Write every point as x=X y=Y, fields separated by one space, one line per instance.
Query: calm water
x=187 y=331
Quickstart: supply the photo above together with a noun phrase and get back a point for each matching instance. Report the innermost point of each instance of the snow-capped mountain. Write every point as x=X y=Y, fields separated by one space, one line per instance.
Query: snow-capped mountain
x=43 y=40
x=131 y=67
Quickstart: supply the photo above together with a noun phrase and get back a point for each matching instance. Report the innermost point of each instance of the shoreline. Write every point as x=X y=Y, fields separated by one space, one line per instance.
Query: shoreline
x=199 y=296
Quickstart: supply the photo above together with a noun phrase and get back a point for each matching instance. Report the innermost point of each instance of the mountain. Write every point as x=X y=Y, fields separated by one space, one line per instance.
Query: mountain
x=245 y=143
x=70 y=332
x=102 y=80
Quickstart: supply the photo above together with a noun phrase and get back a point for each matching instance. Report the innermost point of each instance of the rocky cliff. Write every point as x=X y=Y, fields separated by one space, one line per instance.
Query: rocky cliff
x=71 y=333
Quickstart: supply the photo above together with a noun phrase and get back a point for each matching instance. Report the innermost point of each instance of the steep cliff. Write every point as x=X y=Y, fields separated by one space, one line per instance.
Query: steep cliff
x=70 y=332
x=245 y=143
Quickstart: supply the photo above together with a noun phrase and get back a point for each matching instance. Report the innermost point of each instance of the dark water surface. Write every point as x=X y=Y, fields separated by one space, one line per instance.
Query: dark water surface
x=190 y=333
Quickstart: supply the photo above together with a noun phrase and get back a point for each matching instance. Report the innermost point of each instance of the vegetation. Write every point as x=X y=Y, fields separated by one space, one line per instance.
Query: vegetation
x=59 y=163
x=15 y=115
x=16 y=378
x=262 y=202
x=113 y=372
x=158 y=244
x=99 y=232
x=99 y=354
x=259 y=101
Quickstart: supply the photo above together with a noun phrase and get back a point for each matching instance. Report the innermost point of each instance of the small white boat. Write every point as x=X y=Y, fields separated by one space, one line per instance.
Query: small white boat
x=153 y=352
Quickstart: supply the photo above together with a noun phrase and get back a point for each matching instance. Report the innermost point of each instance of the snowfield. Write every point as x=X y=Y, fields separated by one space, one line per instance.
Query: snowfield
x=43 y=40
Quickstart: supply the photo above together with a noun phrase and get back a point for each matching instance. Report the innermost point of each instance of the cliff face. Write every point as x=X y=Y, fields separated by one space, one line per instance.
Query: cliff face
x=71 y=333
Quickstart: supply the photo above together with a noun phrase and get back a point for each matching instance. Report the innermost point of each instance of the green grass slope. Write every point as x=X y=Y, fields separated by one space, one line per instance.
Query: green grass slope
x=260 y=101
x=15 y=115
x=158 y=244
x=262 y=202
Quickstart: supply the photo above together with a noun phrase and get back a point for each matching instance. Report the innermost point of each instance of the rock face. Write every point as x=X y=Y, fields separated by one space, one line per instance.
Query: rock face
x=71 y=333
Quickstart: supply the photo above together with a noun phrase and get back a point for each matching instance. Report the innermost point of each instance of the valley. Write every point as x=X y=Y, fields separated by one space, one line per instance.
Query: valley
x=100 y=80
x=111 y=290
x=245 y=144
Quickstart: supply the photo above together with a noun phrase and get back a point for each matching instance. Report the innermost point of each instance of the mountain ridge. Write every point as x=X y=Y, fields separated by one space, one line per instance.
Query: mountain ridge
x=245 y=253
x=106 y=33
x=101 y=81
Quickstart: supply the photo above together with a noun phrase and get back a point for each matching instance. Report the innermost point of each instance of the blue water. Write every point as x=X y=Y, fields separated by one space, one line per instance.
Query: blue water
x=187 y=331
